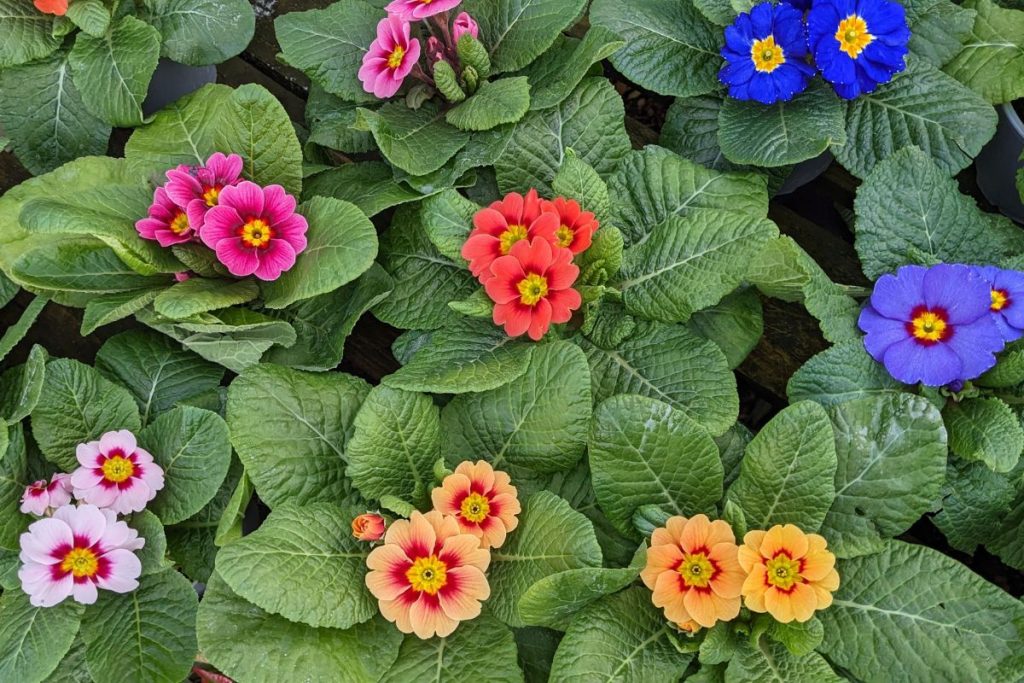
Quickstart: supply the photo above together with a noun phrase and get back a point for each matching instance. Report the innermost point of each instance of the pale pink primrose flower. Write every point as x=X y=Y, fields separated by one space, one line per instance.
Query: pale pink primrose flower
x=414 y=10
x=198 y=190
x=75 y=552
x=167 y=223
x=464 y=24
x=391 y=57
x=255 y=230
x=116 y=474
x=40 y=497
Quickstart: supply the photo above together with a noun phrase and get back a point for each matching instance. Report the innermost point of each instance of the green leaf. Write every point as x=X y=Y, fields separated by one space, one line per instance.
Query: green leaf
x=922 y=107
x=447 y=219
x=255 y=125
x=342 y=246
x=330 y=120
x=193 y=542
x=908 y=211
x=145 y=635
x=670 y=47
x=555 y=600
x=41 y=108
x=891 y=451
x=785 y=132
x=622 y=637
x=34 y=639
x=109 y=308
x=653 y=184
x=576 y=179
x=370 y=185
x=841 y=373
x=538 y=421
x=1008 y=371
x=799 y=638
x=687 y=264
x=985 y=429
x=719 y=12
x=13 y=478
x=395 y=442
x=589 y=121
x=78 y=265
x=635 y=447
x=153 y=555
x=199 y=295
x=311 y=545
x=937 y=29
x=248 y=643
x=691 y=131
x=771 y=662
x=992 y=59
x=28 y=33
x=975 y=505
x=290 y=429
x=495 y=103
x=21 y=386
x=16 y=332
x=417 y=141
x=329 y=44
x=229 y=528
x=518 y=31
x=72 y=669
x=551 y=538
x=92 y=16
x=112 y=71
x=200 y=32
x=671 y=364
x=735 y=324
x=1006 y=542
x=482 y=649
x=559 y=70
x=788 y=471
x=469 y=355
x=962 y=627
x=78 y=405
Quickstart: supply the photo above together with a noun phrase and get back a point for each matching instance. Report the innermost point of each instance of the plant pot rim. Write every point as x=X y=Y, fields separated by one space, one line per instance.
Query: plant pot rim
x=1013 y=118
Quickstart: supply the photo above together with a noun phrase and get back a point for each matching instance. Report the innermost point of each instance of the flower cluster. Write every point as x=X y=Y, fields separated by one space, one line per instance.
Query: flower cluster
x=855 y=44
x=942 y=325
x=429 y=574
x=395 y=53
x=699 y=576
x=74 y=550
x=521 y=249
x=253 y=230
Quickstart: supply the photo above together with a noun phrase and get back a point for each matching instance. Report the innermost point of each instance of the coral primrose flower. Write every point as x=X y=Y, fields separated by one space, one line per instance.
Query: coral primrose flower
x=765 y=53
x=532 y=288
x=116 y=474
x=255 y=230
x=167 y=223
x=790 y=574
x=58 y=7
x=483 y=501
x=428 y=576
x=368 y=527
x=497 y=228
x=76 y=551
x=858 y=44
x=198 y=190
x=1007 y=300
x=464 y=24
x=576 y=227
x=931 y=325
x=414 y=10
x=391 y=57
x=40 y=497
x=693 y=571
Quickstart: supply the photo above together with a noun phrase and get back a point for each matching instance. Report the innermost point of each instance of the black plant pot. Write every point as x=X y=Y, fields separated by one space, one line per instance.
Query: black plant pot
x=805 y=172
x=998 y=162
x=172 y=80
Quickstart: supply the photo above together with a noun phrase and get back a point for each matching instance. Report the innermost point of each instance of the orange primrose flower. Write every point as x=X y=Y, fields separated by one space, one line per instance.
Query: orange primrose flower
x=789 y=573
x=693 y=571
x=428 y=576
x=58 y=7
x=368 y=527
x=576 y=226
x=483 y=501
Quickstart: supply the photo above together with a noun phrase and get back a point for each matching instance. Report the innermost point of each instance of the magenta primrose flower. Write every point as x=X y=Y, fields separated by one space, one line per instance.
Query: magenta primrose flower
x=116 y=474
x=391 y=57
x=41 y=496
x=414 y=10
x=464 y=24
x=75 y=552
x=167 y=223
x=255 y=230
x=197 y=190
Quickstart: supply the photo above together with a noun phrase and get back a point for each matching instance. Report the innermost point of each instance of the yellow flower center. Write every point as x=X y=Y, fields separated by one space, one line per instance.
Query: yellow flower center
x=475 y=508
x=118 y=469
x=532 y=289
x=853 y=35
x=396 y=57
x=783 y=572
x=427 y=575
x=929 y=326
x=696 y=570
x=565 y=236
x=767 y=55
x=80 y=562
x=179 y=224
x=211 y=195
x=513 y=234
x=1000 y=299
x=257 y=233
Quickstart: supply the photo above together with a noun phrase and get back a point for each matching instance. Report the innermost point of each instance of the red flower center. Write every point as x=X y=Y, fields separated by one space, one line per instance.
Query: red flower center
x=929 y=325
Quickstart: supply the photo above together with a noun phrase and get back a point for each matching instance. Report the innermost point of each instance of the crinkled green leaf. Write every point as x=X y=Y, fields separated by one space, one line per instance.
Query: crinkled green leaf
x=200 y=32
x=13 y=479
x=937 y=29
x=109 y=308
x=200 y=294
x=27 y=32
x=771 y=662
x=555 y=600
x=735 y=324
x=21 y=386
x=992 y=59
x=1007 y=543
x=34 y=639
x=481 y=649
x=447 y=218
x=985 y=429
x=518 y=31
x=331 y=119
x=974 y=505
x=79 y=265
x=92 y=16
x=153 y=554
x=554 y=74
x=370 y=185
x=16 y=332
x=417 y=141
x=576 y=179
x=840 y=373
x=496 y=102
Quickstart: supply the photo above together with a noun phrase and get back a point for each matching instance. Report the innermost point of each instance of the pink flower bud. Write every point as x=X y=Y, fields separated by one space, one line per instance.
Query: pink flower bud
x=465 y=24
x=435 y=50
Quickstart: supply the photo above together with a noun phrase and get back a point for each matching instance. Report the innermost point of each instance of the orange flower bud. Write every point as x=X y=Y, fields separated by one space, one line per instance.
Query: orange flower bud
x=368 y=527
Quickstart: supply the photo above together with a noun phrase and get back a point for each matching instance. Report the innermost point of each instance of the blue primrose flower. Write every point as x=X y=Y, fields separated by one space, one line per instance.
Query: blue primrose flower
x=857 y=44
x=932 y=325
x=1007 y=300
x=766 y=54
